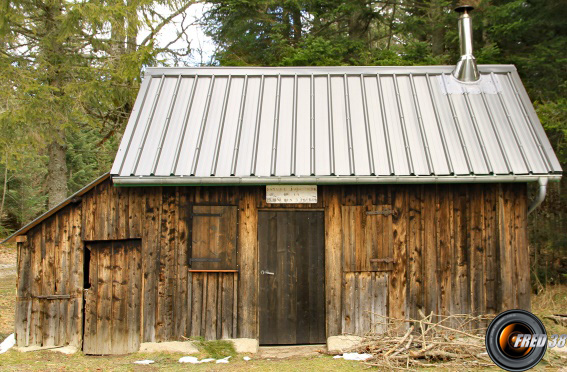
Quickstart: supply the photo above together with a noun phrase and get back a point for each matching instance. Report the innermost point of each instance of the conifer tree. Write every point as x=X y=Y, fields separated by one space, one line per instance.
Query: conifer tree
x=75 y=66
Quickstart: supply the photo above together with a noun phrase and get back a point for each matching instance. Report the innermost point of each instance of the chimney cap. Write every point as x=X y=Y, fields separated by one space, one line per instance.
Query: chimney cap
x=464 y=9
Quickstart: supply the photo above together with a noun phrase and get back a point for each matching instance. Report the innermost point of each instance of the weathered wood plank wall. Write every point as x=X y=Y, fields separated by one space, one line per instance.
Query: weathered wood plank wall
x=455 y=249
x=49 y=309
x=365 y=297
x=212 y=302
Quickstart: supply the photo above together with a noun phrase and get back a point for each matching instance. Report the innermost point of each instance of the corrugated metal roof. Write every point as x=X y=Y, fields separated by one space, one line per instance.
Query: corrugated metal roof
x=331 y=121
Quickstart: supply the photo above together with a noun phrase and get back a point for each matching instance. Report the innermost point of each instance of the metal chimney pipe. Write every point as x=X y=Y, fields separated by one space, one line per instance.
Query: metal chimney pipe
x=466 y=69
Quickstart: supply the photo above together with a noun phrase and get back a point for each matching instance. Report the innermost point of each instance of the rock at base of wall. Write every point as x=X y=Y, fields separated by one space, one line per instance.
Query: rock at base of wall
x=184 y=347
x=245 y=345
x=68 y=349
x=340 y=344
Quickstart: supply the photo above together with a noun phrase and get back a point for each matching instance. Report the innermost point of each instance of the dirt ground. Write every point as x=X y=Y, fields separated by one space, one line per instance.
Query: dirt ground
x=550 y=301
x=8 y=259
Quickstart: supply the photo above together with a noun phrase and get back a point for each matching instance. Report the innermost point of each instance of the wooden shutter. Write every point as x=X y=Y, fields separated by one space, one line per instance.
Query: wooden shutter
x=213 y=243
x=367 y=238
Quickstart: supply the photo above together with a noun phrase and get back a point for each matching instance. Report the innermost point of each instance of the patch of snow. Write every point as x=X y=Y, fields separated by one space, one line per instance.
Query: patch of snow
x=246 y=358
x=7 y=344
x=194 y=360
x=353 y=356
x=189 y=359
x=223 y=360
x=145 y=361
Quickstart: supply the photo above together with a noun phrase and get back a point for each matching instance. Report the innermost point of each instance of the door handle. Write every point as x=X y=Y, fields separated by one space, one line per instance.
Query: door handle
x=266 y=272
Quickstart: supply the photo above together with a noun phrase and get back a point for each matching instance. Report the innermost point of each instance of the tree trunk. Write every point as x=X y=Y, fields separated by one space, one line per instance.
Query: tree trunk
x=287 y=23
x=118 y=35
x=4 y=190
x=297 y=24
x=438 y=32
x=359 y=21
x=53 y=48
x=56 y=174
x=391 y=32
x=131 y=27
x=438 y=41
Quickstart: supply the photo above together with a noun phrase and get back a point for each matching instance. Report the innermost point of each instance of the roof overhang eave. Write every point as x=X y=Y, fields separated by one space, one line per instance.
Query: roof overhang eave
x=322 y=180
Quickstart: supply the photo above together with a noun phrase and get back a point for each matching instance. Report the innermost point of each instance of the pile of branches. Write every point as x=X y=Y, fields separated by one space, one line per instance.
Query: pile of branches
x=454 y=340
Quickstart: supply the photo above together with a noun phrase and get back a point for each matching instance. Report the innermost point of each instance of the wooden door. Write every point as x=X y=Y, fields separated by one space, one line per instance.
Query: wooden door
x=112 y=303
x=292 y=277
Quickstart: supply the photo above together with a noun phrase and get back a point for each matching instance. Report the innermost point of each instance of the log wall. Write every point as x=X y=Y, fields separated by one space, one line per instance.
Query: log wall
x=454 y=249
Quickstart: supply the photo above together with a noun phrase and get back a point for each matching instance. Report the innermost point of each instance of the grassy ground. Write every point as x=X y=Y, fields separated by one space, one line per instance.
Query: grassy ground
x=52 y=361
x=552 y=300
x=46 y=360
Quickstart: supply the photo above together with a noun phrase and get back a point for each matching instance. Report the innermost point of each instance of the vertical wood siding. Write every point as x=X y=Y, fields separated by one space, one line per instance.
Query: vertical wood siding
x=212 y=305
x=49 y=287
x=455 y=249
x=365 y=299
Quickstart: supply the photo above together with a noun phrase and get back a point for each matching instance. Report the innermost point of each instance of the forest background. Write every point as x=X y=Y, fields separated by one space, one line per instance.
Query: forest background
x=70 y=72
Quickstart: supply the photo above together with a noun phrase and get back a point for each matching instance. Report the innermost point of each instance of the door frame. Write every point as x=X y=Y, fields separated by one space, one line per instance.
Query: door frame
x=324 y=252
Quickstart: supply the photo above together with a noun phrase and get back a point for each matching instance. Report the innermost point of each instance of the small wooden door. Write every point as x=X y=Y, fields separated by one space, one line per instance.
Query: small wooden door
x=213 y=237
x=292 y=277
x=367 y=238
x=112 y=303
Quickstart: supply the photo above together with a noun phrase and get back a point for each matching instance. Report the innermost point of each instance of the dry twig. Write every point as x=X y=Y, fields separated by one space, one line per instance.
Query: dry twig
x=455 y=340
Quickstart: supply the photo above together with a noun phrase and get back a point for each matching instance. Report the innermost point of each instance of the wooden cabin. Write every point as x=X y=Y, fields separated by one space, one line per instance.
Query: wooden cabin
x=289 y=205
